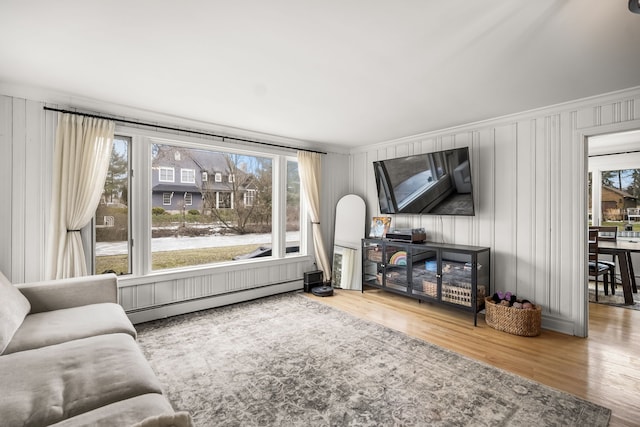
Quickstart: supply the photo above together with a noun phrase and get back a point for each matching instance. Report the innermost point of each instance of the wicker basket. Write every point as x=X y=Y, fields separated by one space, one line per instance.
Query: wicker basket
x=461 y=294
x=515 y=321
x=374 y=253
x=430 y=288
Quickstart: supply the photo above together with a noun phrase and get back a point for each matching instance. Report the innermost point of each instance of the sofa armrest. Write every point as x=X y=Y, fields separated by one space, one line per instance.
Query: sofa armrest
x=66 y=293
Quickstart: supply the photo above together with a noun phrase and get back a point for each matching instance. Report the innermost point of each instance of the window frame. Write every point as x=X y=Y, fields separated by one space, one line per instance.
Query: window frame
x=89 y=232
x=249 y=194
x=166 y=169
x=221 y=198
x=142 y=180
x=190 y=172
x=164 y=198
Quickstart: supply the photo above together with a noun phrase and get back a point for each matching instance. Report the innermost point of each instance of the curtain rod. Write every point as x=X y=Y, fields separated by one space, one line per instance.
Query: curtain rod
x=195 y=132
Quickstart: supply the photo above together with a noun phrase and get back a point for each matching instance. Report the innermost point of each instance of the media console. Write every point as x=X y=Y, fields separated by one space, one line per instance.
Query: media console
x=455 y=275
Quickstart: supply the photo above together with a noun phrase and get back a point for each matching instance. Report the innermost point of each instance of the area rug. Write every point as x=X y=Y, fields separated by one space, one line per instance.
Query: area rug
x=290 y=361
x=616 y=300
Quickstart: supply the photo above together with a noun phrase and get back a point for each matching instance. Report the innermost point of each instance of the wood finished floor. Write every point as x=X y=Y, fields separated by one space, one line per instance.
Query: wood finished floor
x=603 y=368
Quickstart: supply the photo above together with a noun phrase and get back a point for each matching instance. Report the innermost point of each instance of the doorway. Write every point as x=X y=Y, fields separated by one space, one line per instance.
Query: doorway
x=614 y=199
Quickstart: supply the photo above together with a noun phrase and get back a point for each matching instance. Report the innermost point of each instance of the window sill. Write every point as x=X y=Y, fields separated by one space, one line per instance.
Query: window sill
x=203 y=270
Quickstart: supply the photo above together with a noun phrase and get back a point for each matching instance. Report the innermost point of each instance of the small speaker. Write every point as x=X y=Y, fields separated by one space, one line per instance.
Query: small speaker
x=312 y=279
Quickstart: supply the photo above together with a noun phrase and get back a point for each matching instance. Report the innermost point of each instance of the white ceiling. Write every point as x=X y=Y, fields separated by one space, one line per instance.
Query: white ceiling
x=348 y=72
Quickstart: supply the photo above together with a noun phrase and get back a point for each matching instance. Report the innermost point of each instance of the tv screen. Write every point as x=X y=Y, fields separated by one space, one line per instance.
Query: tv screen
x=436 y=183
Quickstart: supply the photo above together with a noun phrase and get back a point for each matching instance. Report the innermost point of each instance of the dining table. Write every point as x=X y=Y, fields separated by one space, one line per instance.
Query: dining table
x=622 y=249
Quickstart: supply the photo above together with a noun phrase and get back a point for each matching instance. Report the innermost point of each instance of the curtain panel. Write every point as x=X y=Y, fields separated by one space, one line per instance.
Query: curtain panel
x=310 y=166
x=81 y=161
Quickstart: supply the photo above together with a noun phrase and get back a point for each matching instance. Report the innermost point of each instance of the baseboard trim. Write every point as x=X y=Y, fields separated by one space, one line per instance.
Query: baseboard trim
x=558 y=325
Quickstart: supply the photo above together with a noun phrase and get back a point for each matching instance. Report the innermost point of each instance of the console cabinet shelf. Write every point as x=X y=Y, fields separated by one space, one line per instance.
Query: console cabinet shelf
x=455 y=275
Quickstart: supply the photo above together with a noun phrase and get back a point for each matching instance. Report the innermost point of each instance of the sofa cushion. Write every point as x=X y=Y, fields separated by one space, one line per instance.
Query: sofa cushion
x=49 y=295
x=13 y=309
x=123 y=413
x=179 y=419
x=53 y=383
x=58 y=326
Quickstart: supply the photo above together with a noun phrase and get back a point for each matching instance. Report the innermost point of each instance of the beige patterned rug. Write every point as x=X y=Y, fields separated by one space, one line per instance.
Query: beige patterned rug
x=290 y=361
x=616 y=300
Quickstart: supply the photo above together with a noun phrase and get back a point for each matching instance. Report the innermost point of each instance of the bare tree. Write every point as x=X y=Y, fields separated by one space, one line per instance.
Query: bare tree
x=226 y=199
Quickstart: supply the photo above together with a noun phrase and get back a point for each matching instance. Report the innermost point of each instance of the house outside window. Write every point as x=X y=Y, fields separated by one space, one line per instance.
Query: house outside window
x=619 y=193
x=187 y=176
x=215 y=200
x=166 y=174
x=206 y=208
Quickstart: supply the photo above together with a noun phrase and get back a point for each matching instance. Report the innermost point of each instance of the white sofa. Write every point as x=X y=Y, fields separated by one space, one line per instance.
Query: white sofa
x=68 y=357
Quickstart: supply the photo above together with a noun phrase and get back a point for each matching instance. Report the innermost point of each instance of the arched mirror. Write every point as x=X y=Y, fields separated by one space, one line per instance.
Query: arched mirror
x=349 y=231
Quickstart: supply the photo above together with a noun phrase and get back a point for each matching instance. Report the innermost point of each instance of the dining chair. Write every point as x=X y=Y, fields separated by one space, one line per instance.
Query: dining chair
x=608 y=233
x=597 y=268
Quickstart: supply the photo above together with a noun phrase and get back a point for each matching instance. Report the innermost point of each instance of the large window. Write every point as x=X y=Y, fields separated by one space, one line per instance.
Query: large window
x=112 y=237
x=293 y=207
x=218 y=209
x=218 y=220
x=619 y=196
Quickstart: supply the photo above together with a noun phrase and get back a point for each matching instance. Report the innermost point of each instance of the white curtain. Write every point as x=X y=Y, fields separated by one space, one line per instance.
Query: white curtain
x=310 y=167
x=81 y=161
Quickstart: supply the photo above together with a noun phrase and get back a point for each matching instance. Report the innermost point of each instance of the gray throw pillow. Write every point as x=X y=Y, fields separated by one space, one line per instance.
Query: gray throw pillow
x=14 y=307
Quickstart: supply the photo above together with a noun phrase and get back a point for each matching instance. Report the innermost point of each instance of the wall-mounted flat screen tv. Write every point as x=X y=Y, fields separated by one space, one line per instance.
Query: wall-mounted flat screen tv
x=436 y=183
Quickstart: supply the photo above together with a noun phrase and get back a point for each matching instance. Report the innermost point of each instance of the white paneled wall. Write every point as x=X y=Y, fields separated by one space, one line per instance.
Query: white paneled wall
x=335 y=169
x=529 y=177
x=27 y=135
x=26 y=151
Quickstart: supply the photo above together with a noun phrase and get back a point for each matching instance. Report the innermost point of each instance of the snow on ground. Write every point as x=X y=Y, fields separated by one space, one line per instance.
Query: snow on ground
x=161 y=244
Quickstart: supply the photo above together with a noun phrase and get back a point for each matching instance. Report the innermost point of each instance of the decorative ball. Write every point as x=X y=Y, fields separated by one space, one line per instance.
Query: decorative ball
x=517 y=304
x=505 y=303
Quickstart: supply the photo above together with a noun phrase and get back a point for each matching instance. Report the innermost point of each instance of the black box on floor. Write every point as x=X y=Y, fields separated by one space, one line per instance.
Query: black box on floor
x=312 y=279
